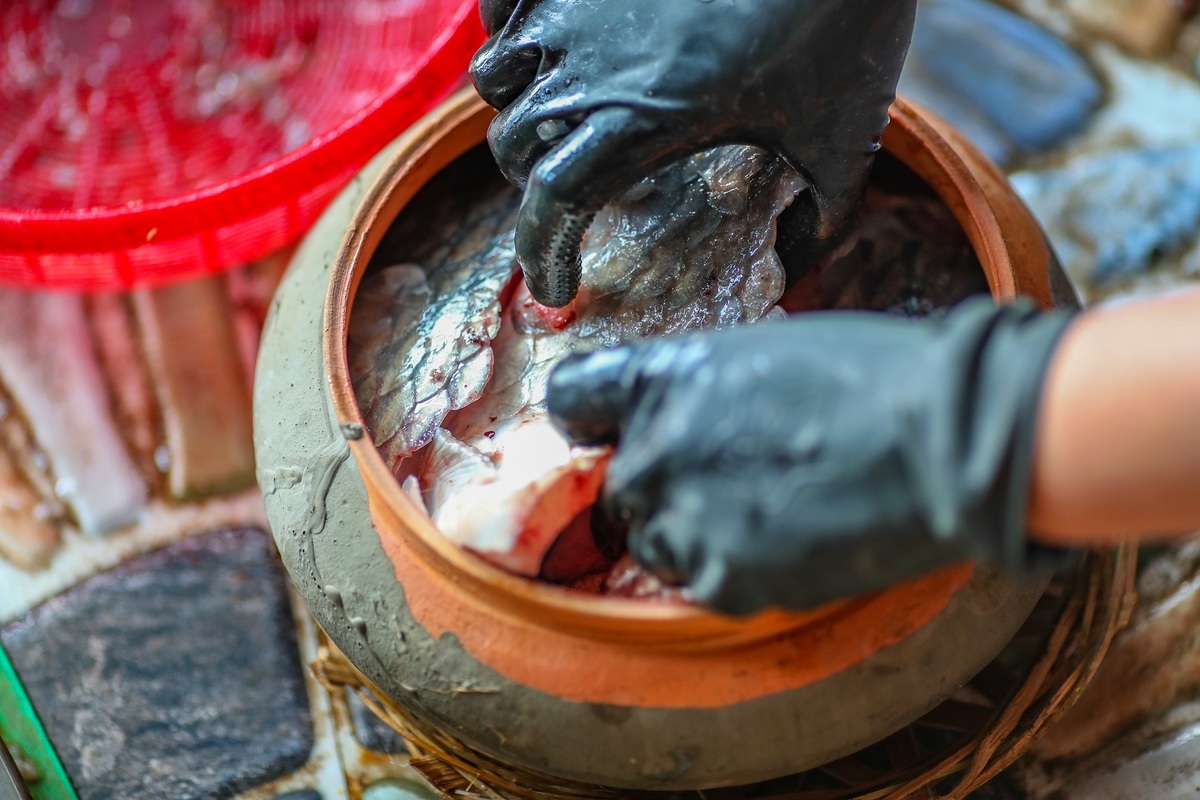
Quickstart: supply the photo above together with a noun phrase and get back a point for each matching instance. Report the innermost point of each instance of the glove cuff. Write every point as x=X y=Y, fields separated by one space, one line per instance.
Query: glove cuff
x=992 y=363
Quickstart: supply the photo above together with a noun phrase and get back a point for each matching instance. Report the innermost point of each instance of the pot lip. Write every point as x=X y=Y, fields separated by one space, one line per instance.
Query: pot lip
x=912 y=135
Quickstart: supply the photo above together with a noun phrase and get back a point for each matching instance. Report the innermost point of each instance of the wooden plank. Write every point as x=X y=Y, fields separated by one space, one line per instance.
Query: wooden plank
x=118 y=351
x=188 y=340
x=30 y=514
x=251 y=290
x=49 y=368
x=957 y=717
x=28 y=538
x=850 y=771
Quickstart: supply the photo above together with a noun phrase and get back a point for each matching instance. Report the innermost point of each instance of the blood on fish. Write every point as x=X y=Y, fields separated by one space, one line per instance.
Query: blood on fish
x=591 y=583
x=553 y=319
x=575 y=554
x=450 y=354
x=541 y=512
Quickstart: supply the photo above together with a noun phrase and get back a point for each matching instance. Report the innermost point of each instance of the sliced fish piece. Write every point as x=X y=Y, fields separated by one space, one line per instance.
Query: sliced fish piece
x=689 y=249
x=506 y=504
x=686 y=250
x=420 y=334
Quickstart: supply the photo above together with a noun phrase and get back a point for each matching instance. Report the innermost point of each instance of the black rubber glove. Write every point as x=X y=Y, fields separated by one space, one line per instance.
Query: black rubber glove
x=598 y=94
x=797 y=462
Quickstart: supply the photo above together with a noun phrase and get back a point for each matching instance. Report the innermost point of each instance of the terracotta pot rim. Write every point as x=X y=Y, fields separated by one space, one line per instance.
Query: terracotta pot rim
x=913 y=136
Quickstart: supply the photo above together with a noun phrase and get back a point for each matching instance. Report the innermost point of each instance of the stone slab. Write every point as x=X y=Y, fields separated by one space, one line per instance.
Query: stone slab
x=1013 y=87
x=175 y=676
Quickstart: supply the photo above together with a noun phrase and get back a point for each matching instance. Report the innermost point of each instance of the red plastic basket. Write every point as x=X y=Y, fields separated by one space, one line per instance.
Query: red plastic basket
x=147 y=141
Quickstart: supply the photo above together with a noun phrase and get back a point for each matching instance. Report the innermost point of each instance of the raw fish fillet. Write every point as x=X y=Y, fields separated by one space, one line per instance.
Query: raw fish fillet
x=450 y=357
x=420 y=335
x=465 y=375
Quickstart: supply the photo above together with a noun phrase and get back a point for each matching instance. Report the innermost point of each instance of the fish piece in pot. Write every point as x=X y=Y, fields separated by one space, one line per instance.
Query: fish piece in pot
x=420 y=334
x=688 y=249
x=477 y=448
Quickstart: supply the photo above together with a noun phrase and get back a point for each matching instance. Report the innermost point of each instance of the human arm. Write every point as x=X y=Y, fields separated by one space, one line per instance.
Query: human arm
x=1117 y=450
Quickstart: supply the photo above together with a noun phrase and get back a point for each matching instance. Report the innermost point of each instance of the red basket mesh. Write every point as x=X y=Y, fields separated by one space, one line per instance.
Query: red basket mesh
x=146 y=141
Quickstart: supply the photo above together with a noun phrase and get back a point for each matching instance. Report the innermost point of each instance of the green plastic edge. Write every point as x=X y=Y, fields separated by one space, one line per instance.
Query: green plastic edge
x=20 y=726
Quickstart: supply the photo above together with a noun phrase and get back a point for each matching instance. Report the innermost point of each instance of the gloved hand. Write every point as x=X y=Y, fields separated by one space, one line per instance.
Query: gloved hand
x=598 y=94
x=797 y=462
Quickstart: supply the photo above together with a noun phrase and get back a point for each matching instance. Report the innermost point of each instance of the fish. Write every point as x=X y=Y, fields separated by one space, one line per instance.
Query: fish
x=450 y=354
x=450 y=358
x=420 y=333
x=905 y=255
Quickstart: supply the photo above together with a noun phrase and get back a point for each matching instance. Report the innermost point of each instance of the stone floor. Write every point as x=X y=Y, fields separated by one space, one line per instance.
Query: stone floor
x=142 y=604
x=150 y=623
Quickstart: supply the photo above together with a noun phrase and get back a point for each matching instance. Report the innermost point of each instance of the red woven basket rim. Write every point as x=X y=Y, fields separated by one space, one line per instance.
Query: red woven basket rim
x=219 y=205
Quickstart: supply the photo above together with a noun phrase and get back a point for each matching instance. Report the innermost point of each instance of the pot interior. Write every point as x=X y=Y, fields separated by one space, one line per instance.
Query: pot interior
x=907 y=255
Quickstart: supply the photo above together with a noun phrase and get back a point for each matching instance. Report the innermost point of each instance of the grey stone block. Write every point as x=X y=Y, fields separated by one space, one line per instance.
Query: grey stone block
x=175 y=676
x=1011 y=86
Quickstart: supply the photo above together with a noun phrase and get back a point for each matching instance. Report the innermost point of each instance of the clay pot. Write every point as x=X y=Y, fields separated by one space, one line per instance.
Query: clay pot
x=608 y=691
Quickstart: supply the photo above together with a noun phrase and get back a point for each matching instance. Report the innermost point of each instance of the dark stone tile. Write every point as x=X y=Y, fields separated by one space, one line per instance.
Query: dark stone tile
x=1011 y=86
x=1117 y=214
x=372 y=732
x=303 y=794
x=174 y=676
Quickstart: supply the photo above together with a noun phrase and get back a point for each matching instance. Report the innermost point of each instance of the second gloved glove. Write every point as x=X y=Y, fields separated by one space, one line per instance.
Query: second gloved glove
x=797 y=462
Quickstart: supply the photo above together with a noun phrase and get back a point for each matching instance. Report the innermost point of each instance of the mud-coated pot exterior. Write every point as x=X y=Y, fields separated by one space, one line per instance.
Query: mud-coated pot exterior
x=351 y=549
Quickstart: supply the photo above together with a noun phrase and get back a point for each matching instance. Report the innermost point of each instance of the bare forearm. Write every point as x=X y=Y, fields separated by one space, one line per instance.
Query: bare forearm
x=1117 y=452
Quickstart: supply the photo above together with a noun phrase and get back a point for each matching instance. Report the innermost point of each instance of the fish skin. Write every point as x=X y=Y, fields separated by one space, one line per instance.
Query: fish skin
x=906 y=256
x=627 y=578
x=420 y=334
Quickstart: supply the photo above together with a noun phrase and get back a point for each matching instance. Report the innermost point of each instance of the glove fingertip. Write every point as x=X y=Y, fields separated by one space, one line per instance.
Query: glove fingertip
x=589 y=395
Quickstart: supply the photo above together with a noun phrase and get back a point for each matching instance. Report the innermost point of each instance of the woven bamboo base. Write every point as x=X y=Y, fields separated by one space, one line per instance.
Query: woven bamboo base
x=946 y=755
